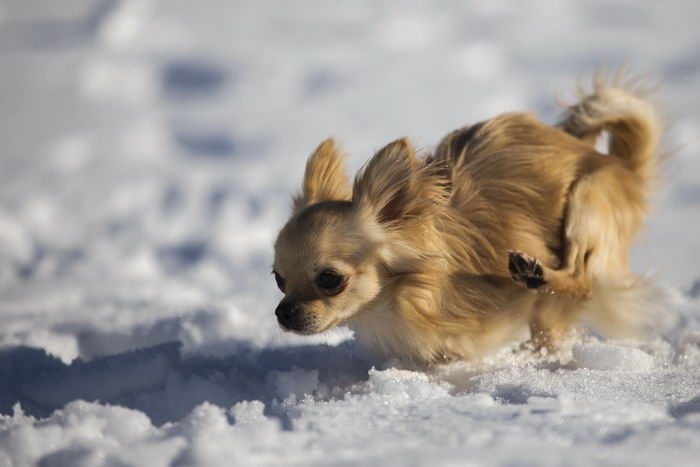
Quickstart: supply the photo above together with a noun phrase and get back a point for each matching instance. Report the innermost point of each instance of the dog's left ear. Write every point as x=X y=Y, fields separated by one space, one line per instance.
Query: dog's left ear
x=388 y=186
x=324 y=179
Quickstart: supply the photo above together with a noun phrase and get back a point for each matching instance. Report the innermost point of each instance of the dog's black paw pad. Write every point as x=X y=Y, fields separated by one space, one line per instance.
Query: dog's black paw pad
x=526 y=271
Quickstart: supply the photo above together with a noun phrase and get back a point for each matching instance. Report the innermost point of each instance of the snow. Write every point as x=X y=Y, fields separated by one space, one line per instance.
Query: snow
x=148 y=150
x=611 y=357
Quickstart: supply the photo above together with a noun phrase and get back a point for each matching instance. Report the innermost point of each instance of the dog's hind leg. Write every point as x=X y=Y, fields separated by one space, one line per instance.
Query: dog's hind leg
x=584 y=225
x=573 y=277
x=571 y=280
x=601 y=219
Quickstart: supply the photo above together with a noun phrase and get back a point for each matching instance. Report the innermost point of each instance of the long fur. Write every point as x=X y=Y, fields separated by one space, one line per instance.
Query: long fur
x=509 y=222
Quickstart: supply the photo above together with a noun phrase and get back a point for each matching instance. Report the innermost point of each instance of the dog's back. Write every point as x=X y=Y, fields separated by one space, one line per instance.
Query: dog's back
x=569 y=211
x=510 y=177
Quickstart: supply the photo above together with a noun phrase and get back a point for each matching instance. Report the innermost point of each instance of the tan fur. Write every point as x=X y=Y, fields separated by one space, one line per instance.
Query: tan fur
x=324 y=177
x=432 y=250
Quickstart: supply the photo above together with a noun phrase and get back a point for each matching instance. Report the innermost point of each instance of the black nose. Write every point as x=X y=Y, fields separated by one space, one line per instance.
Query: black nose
x=287 y=315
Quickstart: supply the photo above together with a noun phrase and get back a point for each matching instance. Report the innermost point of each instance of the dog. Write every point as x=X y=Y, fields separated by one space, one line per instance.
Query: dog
x=507 y=223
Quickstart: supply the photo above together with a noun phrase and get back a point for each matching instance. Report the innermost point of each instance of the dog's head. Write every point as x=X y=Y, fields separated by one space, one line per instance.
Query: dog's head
x=331 y=256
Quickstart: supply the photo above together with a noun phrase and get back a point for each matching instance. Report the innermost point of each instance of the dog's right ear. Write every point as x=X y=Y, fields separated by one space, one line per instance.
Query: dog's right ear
x=388 y=186
x=324 y=179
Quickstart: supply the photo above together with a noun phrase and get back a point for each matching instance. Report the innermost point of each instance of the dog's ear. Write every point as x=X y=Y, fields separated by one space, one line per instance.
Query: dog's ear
x=388 y=186
x=324 y=179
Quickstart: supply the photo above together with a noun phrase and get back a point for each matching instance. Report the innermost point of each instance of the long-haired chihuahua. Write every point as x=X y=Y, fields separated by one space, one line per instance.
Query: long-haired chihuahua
x=507 y=223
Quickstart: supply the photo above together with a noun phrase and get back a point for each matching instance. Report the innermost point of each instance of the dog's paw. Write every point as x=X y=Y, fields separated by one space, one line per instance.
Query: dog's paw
x=526 y=271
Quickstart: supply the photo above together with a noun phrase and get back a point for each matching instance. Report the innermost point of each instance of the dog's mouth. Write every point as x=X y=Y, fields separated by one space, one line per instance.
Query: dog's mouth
x=299 y=326
x=299 y=331
x=305 y=329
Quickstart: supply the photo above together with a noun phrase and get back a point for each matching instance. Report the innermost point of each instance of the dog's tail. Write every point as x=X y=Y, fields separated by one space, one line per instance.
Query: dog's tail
x=633 y=124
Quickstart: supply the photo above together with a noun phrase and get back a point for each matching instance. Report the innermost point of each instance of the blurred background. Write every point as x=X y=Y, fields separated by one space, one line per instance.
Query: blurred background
x=148 y=148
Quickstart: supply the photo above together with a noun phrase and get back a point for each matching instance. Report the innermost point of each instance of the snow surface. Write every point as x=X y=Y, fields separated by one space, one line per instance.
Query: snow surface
x=148 y=149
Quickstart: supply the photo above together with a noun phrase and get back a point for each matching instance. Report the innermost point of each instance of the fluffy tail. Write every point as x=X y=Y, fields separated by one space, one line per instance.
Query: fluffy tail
x=633 y=125
x=625 y=306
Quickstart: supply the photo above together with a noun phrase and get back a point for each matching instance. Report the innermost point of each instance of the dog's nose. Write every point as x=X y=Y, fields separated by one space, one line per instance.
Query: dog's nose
x=287 y=314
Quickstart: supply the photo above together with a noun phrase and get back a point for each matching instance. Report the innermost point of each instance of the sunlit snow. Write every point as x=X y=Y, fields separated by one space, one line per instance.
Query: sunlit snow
x=148 y=150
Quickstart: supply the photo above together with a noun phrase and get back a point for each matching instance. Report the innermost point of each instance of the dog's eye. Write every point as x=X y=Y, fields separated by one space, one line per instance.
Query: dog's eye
x=279 y=280
x=330 y=281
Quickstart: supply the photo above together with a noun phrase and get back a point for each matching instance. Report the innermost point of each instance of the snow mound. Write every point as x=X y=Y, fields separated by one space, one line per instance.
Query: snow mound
x=600 y=356
x=85 y=434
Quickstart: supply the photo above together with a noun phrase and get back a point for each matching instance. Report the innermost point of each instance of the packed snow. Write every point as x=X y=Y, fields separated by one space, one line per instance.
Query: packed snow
x=148 y=150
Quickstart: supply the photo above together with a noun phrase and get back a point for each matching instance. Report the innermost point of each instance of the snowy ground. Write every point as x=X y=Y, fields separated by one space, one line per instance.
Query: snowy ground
x=147 y=152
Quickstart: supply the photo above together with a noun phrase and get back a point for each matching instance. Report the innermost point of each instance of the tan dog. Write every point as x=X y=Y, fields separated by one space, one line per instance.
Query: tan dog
x=509 y=222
